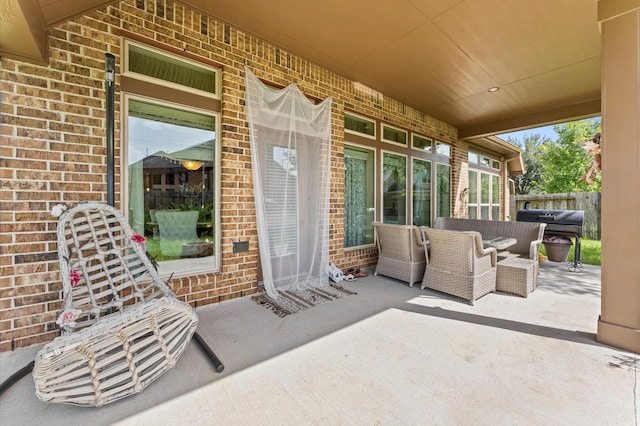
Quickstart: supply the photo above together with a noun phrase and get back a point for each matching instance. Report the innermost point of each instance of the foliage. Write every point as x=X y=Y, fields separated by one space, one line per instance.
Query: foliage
x=565 y=160
x=527 y=182
x=593 y=148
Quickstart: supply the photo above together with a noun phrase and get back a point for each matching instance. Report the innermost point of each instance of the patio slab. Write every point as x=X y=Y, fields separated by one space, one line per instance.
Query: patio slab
x=389 y=355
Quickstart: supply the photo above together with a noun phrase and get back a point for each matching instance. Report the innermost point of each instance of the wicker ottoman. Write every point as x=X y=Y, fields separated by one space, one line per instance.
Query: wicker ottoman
x=516 y=276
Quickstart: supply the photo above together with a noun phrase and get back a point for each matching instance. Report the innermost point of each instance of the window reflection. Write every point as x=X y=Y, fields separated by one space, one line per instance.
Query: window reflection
x=171 y=181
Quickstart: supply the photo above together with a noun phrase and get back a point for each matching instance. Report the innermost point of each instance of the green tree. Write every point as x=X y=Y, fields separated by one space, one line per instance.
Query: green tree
x=564 y=161
x=531 y=144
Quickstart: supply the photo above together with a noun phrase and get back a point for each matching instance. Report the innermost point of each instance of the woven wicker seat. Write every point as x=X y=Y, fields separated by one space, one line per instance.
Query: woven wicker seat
x=130 y=328
x=401 y=252
x=458 y=264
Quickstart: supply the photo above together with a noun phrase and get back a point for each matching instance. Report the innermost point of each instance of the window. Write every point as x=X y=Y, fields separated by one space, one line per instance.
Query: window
x=484 y=196
x=443 y=190
x=394 y=135
x=171 y=179
x=359 y=196
x=393 y=183
x=394 y=188
x=421 y=143
x=421 y=175
x=281 y=204
x=149 y=64
x=484 y=187
x=473 y=194
x=359 y=125
x=171 y=149
x=443 y=149
x=495 y=197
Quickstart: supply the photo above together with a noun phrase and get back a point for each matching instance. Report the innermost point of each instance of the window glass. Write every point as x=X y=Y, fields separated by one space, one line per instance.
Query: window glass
x=484 y=161
x=495 y=189
x=443 y=149
x=473 y=187
x=495 y=164
x=394 y=187
x=421 y=143
x=167 y=68
x=359 y=199
x=281 y=204
x=484 y=212
x=358 y=124
x=421 y=192
x=443 y=190
x=391 y=134
x=473 y=158
x=473 y=212
x=495 y=212
x=484 y=188
x=171 y=181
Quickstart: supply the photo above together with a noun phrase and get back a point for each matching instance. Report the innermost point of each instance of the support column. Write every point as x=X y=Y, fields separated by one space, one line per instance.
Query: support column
x=619 y=321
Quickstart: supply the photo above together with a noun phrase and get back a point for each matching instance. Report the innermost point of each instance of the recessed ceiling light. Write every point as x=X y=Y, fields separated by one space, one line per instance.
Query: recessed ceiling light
x=494 y=89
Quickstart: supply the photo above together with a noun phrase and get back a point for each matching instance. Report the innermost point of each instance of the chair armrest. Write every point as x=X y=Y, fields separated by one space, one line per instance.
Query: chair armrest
x=424 y=241
x=534 y=249
x=481 y=251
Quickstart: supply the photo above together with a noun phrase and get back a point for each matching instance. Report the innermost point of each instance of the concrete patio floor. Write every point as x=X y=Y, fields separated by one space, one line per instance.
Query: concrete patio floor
x=390 y=355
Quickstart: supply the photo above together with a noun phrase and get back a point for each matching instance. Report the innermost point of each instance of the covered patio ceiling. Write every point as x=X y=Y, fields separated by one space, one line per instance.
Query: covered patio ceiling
x=437 y=56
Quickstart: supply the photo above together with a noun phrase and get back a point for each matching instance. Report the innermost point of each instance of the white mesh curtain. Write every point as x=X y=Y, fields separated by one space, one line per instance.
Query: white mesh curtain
x=291 y=153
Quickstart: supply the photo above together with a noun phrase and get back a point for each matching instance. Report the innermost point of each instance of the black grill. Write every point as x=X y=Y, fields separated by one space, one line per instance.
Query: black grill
x=564 y=223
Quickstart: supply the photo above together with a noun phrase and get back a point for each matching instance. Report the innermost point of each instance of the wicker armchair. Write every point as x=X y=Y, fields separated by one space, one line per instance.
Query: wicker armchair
x=401 y=252
x=458 y=264
x=122 y=327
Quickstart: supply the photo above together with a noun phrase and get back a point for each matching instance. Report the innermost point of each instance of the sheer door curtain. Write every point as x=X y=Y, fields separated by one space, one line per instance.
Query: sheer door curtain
x=291 y=154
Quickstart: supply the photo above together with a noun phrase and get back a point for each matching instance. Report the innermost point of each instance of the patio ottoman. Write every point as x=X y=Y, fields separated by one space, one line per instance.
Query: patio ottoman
x=516 y=276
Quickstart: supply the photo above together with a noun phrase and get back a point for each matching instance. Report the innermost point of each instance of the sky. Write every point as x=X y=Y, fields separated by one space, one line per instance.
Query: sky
x=546 y=131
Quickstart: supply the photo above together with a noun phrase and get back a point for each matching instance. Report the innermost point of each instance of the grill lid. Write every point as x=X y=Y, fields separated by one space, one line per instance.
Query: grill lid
x=558 y=221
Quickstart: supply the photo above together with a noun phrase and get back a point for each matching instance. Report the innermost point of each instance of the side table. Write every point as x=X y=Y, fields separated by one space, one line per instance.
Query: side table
x=515 y=275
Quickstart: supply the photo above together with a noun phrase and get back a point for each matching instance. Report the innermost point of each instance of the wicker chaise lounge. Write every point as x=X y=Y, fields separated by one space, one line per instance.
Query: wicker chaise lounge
x=122 y=327
x=401 y=252
x=458 y=264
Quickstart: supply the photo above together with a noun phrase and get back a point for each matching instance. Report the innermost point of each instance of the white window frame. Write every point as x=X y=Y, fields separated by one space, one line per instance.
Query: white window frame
x=368 y=120
x=396 y=129
x=124 y=184
x=127 y=72
x=416 y=135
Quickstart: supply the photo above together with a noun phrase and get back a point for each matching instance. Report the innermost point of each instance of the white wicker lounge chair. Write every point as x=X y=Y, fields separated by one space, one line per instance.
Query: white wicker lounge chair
x=122 y=327
x=401 y=252
x=458 y=264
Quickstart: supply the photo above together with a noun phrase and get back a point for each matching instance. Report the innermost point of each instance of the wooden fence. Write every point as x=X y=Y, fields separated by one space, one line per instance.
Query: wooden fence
x=587 y=201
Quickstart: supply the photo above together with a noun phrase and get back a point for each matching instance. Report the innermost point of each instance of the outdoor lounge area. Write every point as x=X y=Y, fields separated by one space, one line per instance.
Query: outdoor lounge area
x=392 y=354
x=249 y=151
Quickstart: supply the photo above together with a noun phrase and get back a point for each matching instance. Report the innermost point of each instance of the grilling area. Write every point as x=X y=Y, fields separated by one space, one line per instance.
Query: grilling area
x=559 y=223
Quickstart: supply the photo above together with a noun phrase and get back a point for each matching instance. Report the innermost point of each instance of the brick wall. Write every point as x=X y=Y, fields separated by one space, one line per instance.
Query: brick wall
x=53 y=150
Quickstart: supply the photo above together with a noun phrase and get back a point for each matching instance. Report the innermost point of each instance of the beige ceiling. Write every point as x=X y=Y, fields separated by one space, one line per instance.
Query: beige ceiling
x=438 y=56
